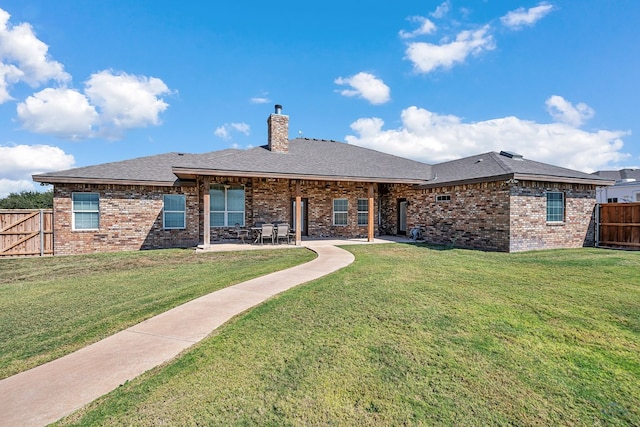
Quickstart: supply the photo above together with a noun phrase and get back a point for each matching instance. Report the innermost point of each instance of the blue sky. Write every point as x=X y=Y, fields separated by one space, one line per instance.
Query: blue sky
x=83 y=83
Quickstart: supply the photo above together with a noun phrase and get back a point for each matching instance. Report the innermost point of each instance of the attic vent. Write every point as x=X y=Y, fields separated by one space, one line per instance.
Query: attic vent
x=511 y=155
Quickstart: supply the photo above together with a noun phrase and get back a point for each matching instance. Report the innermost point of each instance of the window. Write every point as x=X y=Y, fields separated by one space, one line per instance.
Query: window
x=637 y=197
x=363 y=211
x=555 y=207
x=86 y=211
x=613 y=200
x=443 y=198
x=227 y=205
x=174 y=211
x=340 y=207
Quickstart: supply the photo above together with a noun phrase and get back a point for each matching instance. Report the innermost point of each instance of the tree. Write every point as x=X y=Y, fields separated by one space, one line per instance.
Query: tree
x=28 y=200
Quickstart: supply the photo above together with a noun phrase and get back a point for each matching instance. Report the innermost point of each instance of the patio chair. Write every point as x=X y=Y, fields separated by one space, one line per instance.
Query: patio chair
x=266 y=232
x=241 y=233
x=282 y=232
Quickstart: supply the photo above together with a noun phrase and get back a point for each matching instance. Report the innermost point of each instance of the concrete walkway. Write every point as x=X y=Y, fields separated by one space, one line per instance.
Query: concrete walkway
x=48 y=392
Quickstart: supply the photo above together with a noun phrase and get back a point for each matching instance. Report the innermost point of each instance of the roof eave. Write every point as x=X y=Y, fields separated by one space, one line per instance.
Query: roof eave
x=563 y=179
x=192 y=173
x=517 y=176
x=44 y=179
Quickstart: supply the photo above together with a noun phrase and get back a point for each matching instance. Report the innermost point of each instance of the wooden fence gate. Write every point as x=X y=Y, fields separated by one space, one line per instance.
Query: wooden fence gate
x=26 y=232
x=618 y=225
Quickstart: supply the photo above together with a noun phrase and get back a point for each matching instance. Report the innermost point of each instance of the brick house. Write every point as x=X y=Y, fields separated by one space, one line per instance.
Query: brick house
x=492 y=201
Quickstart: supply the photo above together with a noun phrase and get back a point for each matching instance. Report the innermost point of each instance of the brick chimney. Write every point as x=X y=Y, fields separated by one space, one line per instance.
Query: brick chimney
x=278 y=125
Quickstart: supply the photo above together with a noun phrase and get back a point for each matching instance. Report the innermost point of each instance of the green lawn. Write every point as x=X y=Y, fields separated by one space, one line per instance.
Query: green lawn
x=412 y=335
x=52 y=306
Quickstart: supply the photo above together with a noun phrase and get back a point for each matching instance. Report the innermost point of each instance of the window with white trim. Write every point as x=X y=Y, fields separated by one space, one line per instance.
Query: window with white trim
x=227 y=205
x=340 y=211
x=443 y=198
x=86 y=211
x=174 y=212
x=555 y=206
x=363 y=211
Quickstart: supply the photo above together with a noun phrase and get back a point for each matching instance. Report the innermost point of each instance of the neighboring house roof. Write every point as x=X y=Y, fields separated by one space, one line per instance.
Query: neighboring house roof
x=494 y=166
x=622 y=175
x=306 y=159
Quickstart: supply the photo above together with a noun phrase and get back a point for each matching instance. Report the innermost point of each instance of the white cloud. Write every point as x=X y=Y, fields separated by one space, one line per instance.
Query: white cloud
x=563 y=111
x=24 y=58
x=9 y=74
x=260 y=100
x=127 y=101
x=426 y=27
x=428 y=57
x=433 y=138
x=241 y=127
x=441 y=10
x=64 y=113
x=224 y=131
x=111 y=103
x=365 y=86
x=521 y=17
x=19 y=162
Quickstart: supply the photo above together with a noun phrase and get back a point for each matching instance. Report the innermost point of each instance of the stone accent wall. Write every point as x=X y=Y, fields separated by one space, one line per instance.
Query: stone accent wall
x=130 y=219
x=278 y=133
x=529 y=227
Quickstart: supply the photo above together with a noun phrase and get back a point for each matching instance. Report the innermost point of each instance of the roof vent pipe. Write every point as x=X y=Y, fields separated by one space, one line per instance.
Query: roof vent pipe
x=278 y=109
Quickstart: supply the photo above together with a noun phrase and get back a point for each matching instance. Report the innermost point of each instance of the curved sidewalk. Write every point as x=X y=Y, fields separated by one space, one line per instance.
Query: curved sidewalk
x=48 y=392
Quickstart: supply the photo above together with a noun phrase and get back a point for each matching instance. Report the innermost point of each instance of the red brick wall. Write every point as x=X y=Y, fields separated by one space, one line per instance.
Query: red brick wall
x=476 y=216
x=269 y=200
x=529 y=227
x=495 y=216
x=272 y=202
x=130 y=219
x=487 y=216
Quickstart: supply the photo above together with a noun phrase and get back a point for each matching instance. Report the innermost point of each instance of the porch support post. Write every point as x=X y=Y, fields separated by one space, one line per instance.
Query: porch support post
x=206 y=201
x=298 y=224
x=370 y=234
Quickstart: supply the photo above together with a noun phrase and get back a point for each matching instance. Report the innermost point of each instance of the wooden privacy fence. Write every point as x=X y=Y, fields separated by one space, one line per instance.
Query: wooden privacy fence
x=26 y=232
x=618 y=225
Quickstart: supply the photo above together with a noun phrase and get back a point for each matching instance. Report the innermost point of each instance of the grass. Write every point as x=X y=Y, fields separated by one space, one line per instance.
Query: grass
x=50 y=307
x=412 y=335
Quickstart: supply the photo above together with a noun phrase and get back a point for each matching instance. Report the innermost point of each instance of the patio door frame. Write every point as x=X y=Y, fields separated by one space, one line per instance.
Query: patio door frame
x=402 y=216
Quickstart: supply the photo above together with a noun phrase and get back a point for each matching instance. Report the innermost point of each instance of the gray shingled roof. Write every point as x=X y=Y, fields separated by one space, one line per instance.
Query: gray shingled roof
x=306 y=157
x=490 y=166
x=152 y=169
x=317 y=158
x=314 y=157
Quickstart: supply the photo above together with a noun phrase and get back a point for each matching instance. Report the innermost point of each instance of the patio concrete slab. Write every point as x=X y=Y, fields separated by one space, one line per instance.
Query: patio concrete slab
x=48 y=392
